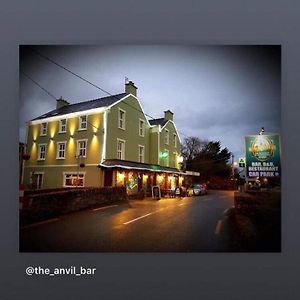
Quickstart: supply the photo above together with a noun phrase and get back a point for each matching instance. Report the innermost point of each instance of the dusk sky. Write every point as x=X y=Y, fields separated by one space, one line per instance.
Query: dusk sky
x=218 y=93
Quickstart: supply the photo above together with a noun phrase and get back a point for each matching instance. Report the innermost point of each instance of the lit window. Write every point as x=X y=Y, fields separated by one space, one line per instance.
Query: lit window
x=120 y=149
x=62 y=125
x=42 y=152
x=167 y=158
x=141 y=128
x=82 y=123
x=175 y=140
x=122 y=119
x=43 y=129
x=61 y=150
x=141 y=154
x=167 y=136
x=81 y=148
x=74 y=179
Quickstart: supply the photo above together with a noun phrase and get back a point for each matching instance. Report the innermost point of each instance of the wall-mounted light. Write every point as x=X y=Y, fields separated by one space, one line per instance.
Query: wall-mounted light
x=95 y=133
x=34 y=140
x=71 y=136
x=51 y=139
x=164 y=154
x=179 y=159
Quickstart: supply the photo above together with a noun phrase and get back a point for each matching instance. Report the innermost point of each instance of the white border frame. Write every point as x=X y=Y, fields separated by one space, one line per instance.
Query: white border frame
x=124 y=148
x=86 y=147
x=57 y=149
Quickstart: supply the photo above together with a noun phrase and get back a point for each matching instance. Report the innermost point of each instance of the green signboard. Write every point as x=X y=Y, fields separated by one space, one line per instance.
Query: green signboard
x=263 y=155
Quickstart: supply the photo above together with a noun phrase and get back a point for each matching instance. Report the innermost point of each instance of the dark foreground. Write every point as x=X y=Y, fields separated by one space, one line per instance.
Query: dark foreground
x=168 y=225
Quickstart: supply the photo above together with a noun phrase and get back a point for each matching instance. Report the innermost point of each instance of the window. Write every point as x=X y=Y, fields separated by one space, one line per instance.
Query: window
x=167 y=136
x=36 y=180
x=175 y=140
x=74 y=179
x=82 y=123
x=167 y=158
x=61 y=150
x=43 y=129
x=141 y=154
x=141 y=128
x=120 y=149
x=81 y=148
x=121 y=119
x=62 y=125
x=42 y=152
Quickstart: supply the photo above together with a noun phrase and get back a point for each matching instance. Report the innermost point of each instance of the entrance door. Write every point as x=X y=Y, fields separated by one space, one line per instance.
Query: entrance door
x=108 y=177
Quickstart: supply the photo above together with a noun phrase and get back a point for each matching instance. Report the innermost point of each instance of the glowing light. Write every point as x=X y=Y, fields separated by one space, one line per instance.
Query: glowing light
x=164 y=154
x=179 y=159
x=121 y=176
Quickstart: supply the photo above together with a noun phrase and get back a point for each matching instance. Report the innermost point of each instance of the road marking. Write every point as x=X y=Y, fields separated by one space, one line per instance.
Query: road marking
x=105 y=207
x=218 y=227
x=141 y=217
x=39 y=223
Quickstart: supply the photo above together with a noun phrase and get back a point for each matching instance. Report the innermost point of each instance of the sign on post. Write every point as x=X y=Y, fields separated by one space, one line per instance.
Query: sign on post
x=242 y=162
x=263 y=155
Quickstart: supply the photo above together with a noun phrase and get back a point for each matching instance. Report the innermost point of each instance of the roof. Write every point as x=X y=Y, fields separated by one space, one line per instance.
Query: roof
x=126 y=164
x=81 y=106
x=160 y=121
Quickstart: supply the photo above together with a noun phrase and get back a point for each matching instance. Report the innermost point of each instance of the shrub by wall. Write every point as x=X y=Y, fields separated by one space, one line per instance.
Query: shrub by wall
x=44 y=205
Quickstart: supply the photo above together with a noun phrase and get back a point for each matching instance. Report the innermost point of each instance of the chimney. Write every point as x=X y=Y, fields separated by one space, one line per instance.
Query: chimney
x=61 y=103
x=168 y=115
x=130 y=88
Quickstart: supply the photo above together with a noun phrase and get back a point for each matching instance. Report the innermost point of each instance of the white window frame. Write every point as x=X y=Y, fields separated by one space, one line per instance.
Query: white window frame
x=175 y=140
x=122 y=150
x=74 y=175
x=61 y=126
x=139 y=155
x=167 y=136
x=39 y=151
x=141 y=128
x=78 y=149
x=43 y=130
x=58 y=150
x=123 y=127
x=85 y=122
x=38 y=173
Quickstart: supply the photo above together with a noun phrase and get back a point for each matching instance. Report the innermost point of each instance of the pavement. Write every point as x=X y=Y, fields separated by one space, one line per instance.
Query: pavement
x=189 y=224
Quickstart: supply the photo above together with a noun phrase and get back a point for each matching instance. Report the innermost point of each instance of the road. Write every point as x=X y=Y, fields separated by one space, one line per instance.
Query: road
x=188 y=224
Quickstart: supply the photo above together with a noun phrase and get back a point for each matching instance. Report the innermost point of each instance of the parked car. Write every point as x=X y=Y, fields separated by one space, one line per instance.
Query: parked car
x=197 y=190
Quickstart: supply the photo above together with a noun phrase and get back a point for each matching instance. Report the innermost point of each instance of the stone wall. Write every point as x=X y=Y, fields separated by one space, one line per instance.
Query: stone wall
x=41 y=206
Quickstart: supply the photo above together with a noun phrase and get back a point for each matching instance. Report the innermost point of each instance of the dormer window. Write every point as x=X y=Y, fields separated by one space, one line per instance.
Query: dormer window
x=44 y=129
x=82 y=123
x=62 y=125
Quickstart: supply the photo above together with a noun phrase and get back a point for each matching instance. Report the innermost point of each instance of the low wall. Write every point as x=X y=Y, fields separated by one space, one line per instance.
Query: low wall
x=37 y=207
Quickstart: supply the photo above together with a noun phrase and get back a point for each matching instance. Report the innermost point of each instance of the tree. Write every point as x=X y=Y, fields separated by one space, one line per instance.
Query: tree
x=191 y=147
x=211 y=161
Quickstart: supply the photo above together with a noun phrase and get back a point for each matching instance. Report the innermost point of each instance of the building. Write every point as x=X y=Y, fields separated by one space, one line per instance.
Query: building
x=103 y=142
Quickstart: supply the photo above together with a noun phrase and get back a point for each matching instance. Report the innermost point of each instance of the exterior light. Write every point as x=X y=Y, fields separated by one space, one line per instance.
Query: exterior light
x=71 y=136
x=180 y=159
x=95 y=133
x=164 y=154
x=51 y=138
x=34 y=140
